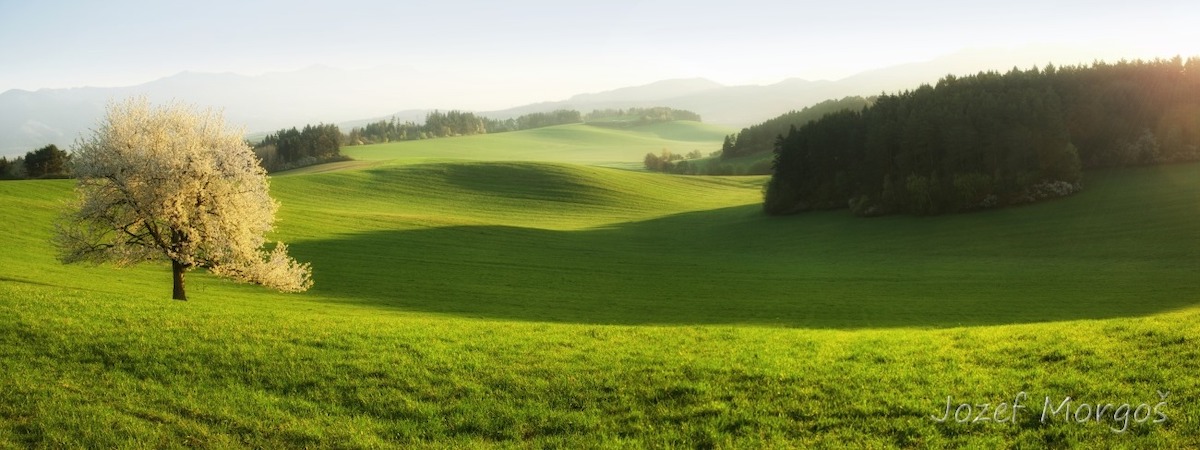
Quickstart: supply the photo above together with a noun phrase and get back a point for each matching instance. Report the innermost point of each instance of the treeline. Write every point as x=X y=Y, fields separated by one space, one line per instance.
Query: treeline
x=454 y=123
x=437 y=124
x=637 y=116
x=459 y=123
x=761 y=138
x=46 y=162
x=989 y=139
x=385 y=131
x=535 y=120
x=283 y=150
x=292 y=148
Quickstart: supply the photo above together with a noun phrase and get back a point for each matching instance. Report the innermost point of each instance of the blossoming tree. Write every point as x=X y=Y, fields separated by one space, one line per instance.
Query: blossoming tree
x=174 y=183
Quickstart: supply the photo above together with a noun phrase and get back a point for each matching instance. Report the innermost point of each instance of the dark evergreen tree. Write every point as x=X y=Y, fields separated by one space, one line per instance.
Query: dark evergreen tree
x=47 y=161
x=291 y=148
x=988 y=139
x=760 y=138
x=6 y=168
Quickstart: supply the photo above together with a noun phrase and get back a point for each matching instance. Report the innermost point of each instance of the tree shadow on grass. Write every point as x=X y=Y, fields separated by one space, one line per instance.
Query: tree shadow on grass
x=735 y=266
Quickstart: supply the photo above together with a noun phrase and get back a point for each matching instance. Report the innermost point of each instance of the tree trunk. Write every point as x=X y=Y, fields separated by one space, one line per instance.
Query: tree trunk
x=177 y=271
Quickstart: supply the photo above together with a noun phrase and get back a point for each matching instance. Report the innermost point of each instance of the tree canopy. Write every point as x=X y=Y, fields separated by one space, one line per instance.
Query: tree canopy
x=173 y=183
x=12 y=169
x=534 y=120
x=760 y=138
x=989 y=139
x=291 y=148
x=437 y=124
x=45 y=162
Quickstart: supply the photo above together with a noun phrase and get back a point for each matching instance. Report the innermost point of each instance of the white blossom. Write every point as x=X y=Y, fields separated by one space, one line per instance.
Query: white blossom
x=175 y=183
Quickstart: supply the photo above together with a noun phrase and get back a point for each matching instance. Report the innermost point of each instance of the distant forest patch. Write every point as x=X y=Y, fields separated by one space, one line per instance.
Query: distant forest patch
x=45 y=162
x=291 y=148
x=989 y=139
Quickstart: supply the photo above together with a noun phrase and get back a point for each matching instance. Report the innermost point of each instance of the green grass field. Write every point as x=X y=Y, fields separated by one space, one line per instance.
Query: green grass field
x=512 y=292
x=579 y=143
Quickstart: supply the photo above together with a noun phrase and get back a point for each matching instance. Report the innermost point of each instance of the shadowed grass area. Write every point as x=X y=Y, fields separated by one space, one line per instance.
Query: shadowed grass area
x=1077 y=258
x=591 y=277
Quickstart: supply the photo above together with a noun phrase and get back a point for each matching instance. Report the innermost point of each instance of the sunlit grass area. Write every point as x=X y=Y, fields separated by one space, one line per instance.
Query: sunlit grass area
x=540 y=302
x=580 y=143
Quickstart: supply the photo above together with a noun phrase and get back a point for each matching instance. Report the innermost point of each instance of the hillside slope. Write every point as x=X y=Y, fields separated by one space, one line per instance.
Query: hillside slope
x=536 y=219
x=550 y=304
x=579 y=143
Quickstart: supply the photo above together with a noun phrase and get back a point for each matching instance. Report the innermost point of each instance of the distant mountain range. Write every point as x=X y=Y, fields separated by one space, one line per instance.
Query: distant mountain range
x=29 y=120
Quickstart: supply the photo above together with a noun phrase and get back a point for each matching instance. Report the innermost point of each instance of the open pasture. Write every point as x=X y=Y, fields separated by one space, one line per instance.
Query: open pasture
x=506 y=290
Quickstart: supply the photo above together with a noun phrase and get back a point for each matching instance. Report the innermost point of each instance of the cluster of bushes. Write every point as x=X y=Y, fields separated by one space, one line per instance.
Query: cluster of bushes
x=711 y=167
x=669 y=162
x=694 y=163
x=990 y=139
x=292 y=148
x=46 y=162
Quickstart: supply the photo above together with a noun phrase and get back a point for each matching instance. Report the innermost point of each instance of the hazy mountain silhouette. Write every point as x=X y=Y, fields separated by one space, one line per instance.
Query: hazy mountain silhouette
x=268 y=102
x=738 y=106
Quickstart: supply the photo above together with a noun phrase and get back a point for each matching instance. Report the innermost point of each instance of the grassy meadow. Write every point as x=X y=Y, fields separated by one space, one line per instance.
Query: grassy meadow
x=523 y=290
x=578 y=143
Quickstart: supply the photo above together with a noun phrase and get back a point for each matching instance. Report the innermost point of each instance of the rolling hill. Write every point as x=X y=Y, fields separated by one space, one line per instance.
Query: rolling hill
x=577 y=143
x=504 y=294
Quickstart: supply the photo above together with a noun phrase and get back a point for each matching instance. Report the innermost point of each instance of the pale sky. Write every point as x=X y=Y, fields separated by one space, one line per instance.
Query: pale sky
x=478 y=55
